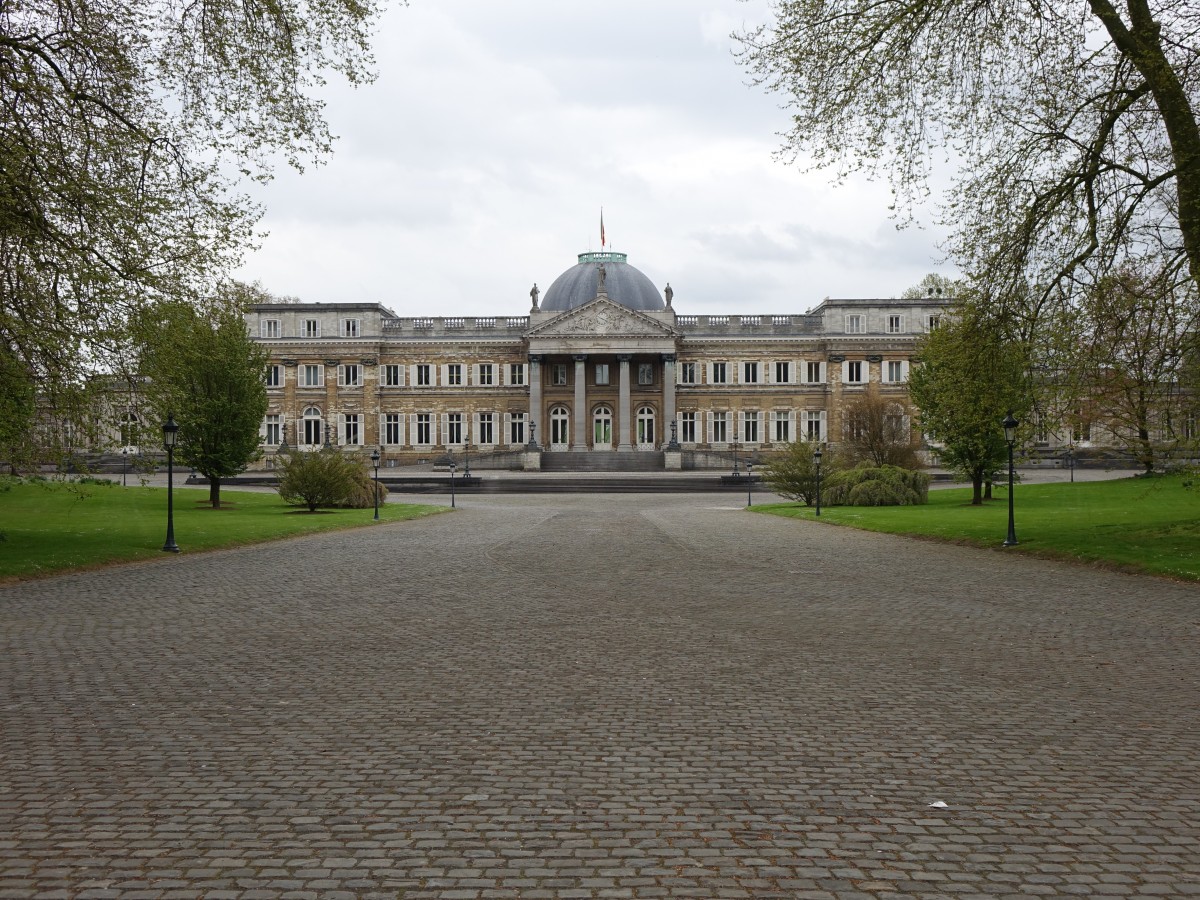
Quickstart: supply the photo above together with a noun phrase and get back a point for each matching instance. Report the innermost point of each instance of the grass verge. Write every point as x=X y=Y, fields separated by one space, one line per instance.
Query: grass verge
x=1138 y=524
x=55 y=526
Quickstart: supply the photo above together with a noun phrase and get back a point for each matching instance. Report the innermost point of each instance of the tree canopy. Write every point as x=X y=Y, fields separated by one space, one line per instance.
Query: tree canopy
x=124 y=126
x=1071 y=124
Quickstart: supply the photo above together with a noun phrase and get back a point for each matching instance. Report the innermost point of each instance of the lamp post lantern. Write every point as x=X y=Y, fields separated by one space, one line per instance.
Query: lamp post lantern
x=1010 y=436
x=749 y=483
x=375 y=460
x=817 y=467
x=453 y=467
x=124 y=464
x=170 y=432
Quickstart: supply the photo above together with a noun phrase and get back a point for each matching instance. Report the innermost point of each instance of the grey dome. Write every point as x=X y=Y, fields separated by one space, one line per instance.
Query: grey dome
x=622 y=282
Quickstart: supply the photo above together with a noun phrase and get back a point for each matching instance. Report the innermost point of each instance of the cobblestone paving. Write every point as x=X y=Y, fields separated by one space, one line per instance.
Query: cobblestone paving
x=599 y=697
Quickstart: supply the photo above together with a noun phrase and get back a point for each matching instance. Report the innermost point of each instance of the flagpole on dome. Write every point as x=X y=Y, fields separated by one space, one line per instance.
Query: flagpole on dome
x=602 y=229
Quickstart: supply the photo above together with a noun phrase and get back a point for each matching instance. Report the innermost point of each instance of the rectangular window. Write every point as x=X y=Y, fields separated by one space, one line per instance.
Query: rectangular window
x=750 y=427
x=645 y=373
x=687 y=429
x=783 y=372
x=392 y=376
x=854 y=372
x=424 y=428
x=516 y=428
x=391 y=428
x=487 y=429
x=720 y=428
x=486 y=375
x=516 y=373
x=895 y=324
x=812 y=373
x=311 y=328
x=558 y=374
x=602 y=373
x=274 y=376
x=349 y=328
x=783 y=428
x=270 y=328
x=895 y=371
x=273 y=438
x=854 y=325
x=312 y=376
x=350 y=430
x=424 y=375
x=812 y=425
x=454 y=428
x=932 y=322
x=719 y=375
x=454 y=375
x=750 y=373
x=687 y=373
x=350 y=375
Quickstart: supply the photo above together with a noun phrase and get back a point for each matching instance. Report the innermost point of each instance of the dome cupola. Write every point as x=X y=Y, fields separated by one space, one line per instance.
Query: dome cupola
x=620 y=282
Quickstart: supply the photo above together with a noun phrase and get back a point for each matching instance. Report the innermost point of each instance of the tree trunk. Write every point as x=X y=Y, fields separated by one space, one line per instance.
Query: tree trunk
x=987 y=489
x=214 y=492
x=977 y=489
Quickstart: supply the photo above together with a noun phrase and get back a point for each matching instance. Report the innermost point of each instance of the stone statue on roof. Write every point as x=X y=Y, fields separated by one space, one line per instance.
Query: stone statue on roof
x=601 y=275
x=533 y=295
x=668 y=293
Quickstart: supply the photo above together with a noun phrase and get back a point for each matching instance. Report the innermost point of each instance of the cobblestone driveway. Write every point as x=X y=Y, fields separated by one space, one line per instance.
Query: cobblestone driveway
x=599 y=696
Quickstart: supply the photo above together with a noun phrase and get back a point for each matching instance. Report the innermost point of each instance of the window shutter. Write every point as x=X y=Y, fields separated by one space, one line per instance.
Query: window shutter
x=708 y=374
x=445 y=430
x=475 y=427
x=341 y=376
x=823 y=426
x=904 y=370
x=708 y=425
x=339 y=438
x=506 y=436
x=678 y=427
x=412 y=375
x=793 y=435
x=412 y=429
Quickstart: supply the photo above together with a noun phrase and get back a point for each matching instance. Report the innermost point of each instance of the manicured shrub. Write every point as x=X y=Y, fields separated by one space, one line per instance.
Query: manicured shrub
x=792 y=474
x=867 y=485
x=325 y=478
x=361 y=494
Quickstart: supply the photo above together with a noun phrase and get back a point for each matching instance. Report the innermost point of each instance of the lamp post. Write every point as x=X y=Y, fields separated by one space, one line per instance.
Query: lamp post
x=1010 y=435
x=170 y=432
x=124 y=464
x=466 y=460
x=733 y=448
x=749 y=483
x=375 y=460
x=817 y=466
x=453 y=467
x=1071 y=461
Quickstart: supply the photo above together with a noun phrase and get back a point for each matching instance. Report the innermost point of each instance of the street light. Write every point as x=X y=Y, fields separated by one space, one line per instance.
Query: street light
x=733 y=449
x=749 y=483
x=817 y=466
x=1010 y=435
x=466 y=460
x=124 y=464
x=453 y=467
x=1071 y=461
x=375 y=460
x=170 y=431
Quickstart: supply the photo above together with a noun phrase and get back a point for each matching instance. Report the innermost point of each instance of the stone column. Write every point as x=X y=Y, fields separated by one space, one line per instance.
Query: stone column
x=579 y=441
x=668 y=397
x=535 y=397
x=624 y=413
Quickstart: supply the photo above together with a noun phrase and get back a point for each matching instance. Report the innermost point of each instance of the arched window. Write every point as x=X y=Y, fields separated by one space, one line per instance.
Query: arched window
x=560 y=418
x=312 y=427
x=645 y=426
x=602 y=428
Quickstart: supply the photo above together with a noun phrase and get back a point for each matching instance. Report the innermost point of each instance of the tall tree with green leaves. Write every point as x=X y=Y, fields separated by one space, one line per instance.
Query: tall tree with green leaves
x=969 y=375
x=205 y=370
x=123 y=128
x=1071 y=124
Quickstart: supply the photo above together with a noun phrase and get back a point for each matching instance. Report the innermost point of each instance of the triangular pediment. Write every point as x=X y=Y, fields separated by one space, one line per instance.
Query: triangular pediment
x=602 y=317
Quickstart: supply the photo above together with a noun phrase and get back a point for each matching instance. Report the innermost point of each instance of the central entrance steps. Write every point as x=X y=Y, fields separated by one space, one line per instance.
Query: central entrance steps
x=603 y=461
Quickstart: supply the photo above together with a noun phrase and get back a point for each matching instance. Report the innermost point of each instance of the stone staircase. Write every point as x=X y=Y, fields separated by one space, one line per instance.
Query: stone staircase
x=603 y=461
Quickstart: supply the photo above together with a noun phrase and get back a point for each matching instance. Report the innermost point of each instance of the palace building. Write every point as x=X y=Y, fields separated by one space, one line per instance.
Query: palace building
x=602 y=363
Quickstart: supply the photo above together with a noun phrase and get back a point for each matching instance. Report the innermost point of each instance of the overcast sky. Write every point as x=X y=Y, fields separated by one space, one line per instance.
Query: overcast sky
x=479 y=161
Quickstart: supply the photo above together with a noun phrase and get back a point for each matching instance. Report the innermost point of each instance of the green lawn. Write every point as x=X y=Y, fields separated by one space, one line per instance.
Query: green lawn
x=56 y=526
x=1141 y=524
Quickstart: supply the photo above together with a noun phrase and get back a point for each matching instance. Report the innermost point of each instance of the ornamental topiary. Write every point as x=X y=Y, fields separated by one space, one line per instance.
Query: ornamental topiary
x=867 y=485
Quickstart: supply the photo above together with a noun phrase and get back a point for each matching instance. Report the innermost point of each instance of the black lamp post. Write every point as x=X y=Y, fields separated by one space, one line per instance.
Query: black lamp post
x=733 y=447
x=749 y=483
x=375 y=460
x=170 y=432
x=1071 y=461
x=817 y=466
x=124 y=464
x=466 y=460
x=532 y=435
x=453 y=467
x=1010 y=435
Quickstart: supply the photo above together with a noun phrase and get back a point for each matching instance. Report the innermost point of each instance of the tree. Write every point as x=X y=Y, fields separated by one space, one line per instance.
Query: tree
x=969 y=375
x=792 y=474
x=120 y=121
x=877 y=429
x=18 y=404
x=1134 y=332
x=1072 y=123
x=326 y=478
x=204 y=369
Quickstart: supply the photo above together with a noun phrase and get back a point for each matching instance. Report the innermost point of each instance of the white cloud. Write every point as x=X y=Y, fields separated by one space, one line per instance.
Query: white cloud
x=478 y=163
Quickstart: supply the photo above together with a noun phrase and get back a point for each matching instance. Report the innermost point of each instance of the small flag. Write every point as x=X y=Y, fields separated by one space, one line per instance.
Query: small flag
x=602 y=228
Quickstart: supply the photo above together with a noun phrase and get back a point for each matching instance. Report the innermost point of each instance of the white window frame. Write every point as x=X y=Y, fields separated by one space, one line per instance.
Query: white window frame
x=603 y=378
x=750 y=372
x=485 y=429
x=423 y=429
x=687 y=373
x=850 y=367
x=310 y=328
x=272 y=430
x=645 y=374
x=895 y=324
x=349 y=328
x=808 y=370
x=783 y=368
x=424 y=375
x=274 y=376
x=352 y=430
x=895 y=371
x=309 y=369
x=719 y=422
x=751 y=430
x=516 y=429
x=270 y=328
x=390 y=370
x=454 y=375
x=718 y=372
x=487 y=375
x=392 y=433
x=516 y=374
x=856 y=324
x=350 y=375
x=454 y=429
x=687 y=427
